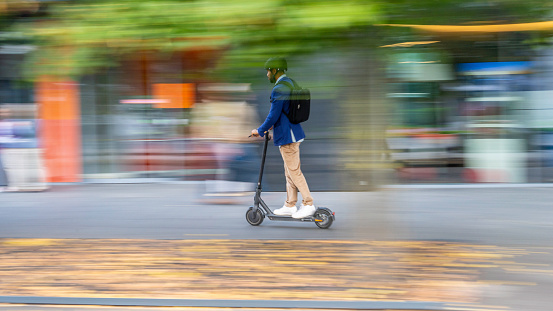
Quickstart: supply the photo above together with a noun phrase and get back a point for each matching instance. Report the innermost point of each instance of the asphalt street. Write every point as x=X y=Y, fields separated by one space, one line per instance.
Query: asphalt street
x=499 y=216
x=518 y=221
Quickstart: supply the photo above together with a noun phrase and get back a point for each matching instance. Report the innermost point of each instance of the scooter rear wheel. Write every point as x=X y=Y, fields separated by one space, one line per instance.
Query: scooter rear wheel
x=254 y=218
x=323 y=218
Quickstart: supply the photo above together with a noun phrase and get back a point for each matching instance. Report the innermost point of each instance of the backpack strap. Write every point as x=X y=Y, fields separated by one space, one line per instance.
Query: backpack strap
x=292 y=87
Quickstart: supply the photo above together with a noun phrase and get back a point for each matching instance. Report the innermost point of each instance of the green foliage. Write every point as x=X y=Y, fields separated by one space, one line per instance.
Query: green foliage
x=453 y=12
x=85 y=36
x=82 y=37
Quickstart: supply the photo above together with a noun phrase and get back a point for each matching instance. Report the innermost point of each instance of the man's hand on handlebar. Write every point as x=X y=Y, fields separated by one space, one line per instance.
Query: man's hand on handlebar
x=255 y=133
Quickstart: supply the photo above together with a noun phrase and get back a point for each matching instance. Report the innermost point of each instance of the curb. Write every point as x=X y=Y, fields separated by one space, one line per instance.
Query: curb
x=469 y=186
x=254 y=304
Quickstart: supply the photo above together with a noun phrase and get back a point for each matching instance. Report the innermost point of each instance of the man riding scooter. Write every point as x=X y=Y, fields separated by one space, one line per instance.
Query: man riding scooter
x=288 y=137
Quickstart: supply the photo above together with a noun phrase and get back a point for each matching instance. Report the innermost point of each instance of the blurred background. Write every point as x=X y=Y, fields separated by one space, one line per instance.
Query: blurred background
x=403 y=92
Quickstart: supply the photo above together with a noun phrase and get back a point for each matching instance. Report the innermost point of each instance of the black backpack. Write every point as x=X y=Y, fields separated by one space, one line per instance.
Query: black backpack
x=300 y=100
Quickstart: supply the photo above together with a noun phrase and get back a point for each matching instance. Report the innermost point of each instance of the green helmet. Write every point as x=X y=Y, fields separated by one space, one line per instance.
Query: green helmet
x=278 y=63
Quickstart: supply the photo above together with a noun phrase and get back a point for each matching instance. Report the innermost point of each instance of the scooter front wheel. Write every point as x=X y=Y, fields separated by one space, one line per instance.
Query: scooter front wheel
x=254 y=218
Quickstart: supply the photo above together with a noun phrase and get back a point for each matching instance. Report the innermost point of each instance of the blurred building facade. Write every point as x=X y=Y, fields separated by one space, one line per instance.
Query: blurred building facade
x=465 y=105
x=478 y=114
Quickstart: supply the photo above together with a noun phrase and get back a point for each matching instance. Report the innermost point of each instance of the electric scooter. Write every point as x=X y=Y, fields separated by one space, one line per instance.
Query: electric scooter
x=323 y=216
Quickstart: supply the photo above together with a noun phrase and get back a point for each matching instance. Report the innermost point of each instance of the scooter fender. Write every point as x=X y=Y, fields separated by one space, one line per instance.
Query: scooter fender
x=328 y=210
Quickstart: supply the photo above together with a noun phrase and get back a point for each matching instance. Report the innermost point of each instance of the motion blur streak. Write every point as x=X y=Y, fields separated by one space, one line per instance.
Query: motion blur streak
x=431 y=128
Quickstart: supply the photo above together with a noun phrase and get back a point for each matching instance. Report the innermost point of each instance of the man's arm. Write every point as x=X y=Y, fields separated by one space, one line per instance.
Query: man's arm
x=277 y=101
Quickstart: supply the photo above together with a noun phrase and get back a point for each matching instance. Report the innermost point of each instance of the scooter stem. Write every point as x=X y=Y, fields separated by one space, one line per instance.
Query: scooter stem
x=263 y=156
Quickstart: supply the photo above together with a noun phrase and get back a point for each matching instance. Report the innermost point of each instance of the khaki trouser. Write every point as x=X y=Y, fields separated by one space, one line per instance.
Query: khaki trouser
x=295 y=181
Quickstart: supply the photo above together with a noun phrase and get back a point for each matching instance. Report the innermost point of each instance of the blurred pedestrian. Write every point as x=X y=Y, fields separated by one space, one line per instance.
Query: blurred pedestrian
x=21 y=154
x=287 y=137
x=5 y=135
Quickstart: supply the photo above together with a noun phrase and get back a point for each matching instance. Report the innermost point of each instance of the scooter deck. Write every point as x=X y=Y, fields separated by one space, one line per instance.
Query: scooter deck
x=289 y=218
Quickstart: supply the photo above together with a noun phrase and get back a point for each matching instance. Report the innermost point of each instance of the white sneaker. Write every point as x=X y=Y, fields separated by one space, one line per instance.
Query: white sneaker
x=285 y=211
x=305 y=211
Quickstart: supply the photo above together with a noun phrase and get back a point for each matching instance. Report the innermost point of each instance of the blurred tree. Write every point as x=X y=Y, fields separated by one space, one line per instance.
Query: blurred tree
x=436 y=12
x=81 y=37
x=85 y=36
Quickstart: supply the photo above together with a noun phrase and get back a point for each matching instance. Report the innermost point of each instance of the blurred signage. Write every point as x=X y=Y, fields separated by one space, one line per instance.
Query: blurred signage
x=168 y=96
x=495 y=68
x=419 y=67
x=144 y=101
x=16 y=49
x=174 y=95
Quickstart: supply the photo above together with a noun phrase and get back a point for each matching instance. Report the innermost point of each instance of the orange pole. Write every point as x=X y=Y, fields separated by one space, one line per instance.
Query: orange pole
x=60 y=131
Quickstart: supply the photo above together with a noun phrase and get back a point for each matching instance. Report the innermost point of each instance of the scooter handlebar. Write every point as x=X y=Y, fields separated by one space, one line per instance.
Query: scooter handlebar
x=268 y=135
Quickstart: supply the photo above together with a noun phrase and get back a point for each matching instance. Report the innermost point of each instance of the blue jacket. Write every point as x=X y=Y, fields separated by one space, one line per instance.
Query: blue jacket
x=284 y=132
